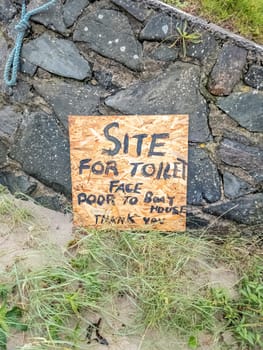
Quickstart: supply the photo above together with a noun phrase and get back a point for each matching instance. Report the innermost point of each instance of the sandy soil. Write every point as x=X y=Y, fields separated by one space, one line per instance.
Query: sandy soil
x=25 y=243
x=28 y=245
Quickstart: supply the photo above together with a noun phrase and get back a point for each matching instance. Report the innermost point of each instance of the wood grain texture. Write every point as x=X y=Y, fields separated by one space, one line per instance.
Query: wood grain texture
x=104 y=190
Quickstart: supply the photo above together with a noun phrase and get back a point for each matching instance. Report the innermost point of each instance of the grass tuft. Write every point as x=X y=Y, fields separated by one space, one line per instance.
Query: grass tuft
x=10 y=211
x=246 y=15
x=55 y=297
x=166 y=277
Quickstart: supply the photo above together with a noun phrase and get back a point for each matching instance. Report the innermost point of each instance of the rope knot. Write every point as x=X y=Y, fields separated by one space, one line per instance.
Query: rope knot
x=12 y=64
x=23 y=25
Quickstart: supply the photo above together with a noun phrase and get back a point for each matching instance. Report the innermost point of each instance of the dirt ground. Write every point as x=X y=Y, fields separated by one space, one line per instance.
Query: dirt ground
x=27 y=245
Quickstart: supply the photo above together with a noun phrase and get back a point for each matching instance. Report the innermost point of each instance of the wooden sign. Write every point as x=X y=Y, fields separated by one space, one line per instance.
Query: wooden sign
x=129 y=171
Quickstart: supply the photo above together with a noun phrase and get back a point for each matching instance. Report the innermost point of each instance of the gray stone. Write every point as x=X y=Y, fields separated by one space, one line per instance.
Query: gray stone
x=235 y=187
x=43 y=151
x=7 y=10
x=3 y=153
x=203 y=178
x=18 y=183
x=98 y=29
x=246 y=108
x=134 y=7
x=9 y=122
x=72 y=10
x=249 y=158
x=220 y=122
x=50 y=202
x=204 y=49
x=69 y=99
x=57 y=56
x=173 y=92
x=245 y=210
x=227 y=70
x=194 y=222
x=51 y=18
x=160 y=27
x=10 y=28
x=21 y=92
x=165 y=53
x=3 y=55
x=28 y=67
x=254 y=77
x=235 y=135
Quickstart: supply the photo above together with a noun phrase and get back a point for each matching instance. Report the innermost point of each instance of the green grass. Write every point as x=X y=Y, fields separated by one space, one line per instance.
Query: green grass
x=177 y=3
x=244 y=316
x=165 y=276
x=242 y=16
x=55 y=296
x=159 y=273
x=10 y=211
x=10 y=317
x=135 y=265
x=246 y=15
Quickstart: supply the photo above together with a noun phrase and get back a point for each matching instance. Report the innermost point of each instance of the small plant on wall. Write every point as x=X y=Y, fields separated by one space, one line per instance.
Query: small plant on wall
x=183 y=37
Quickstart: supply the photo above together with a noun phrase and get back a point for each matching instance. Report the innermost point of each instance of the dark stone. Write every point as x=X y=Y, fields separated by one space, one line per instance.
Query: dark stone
x=51 y=18
x=203 y=178
x=50 y=202
x=43 y=151
x=133 y=7
x=249 y=158
x=173 y=92
x=246 y=108
x=194 y=222
x=104 y=79
x=235 y=187
x=57 y=56
x=204 y=49
x=160 y=27
x=165 y=53
x=244 y=210
x=9 y=121
x=72 y=10
x=69 y=99
x=98 y=29
x=7 y=10
x=18 y=183
x=3 y=153
x=227 y=70
x=254 y=77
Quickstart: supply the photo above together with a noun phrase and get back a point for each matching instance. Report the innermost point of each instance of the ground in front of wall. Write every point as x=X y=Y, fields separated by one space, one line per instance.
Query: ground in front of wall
x=33 y=238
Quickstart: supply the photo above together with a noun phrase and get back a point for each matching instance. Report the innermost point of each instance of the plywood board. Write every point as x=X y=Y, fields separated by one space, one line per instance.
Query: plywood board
x=129 y=171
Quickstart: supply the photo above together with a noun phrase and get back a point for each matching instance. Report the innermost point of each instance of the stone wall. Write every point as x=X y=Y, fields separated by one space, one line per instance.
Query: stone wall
x=124 y=57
